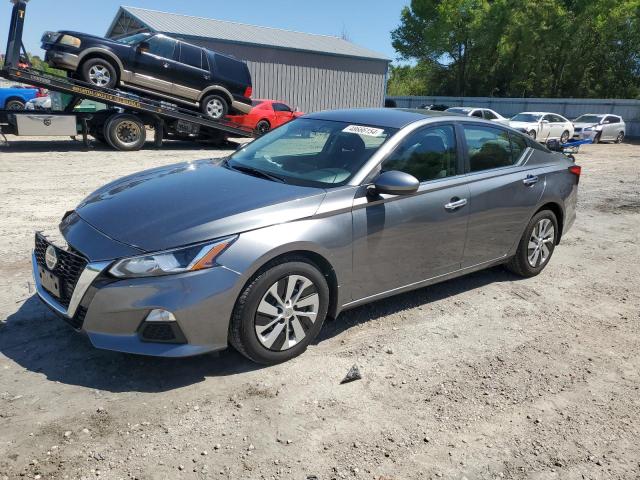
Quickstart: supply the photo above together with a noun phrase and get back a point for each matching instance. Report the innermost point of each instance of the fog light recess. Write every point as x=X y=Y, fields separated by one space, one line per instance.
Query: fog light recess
x=160 y=315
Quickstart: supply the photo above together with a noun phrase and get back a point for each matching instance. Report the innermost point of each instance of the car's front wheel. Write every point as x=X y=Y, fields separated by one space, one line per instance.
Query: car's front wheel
x=620 y=137
x=536 y=245
x=280 y=312
x=564 y=138
x=99 y=72
x=532 y=134
x=215 y=106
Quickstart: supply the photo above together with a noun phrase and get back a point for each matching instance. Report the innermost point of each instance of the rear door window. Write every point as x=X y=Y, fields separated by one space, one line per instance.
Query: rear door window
x=281 y=107
x=489 y=115
x=190 y=55
x=488 y=147
x=518 y=146
x=477 y=113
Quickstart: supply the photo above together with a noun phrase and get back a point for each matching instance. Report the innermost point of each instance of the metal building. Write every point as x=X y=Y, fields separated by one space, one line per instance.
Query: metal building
x=308 y=71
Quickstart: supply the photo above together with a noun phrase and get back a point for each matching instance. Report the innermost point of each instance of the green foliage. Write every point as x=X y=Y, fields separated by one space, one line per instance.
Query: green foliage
x=512 y=48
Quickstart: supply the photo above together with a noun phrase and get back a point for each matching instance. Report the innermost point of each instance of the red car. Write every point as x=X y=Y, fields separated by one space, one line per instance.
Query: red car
x=265 y=115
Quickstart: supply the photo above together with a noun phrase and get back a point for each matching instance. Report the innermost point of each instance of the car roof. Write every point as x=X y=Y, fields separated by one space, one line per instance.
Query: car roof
x=380 y=117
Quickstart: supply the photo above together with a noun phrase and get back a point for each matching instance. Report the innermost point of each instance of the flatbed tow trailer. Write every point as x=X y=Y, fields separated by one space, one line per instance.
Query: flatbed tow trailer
x=123 y=126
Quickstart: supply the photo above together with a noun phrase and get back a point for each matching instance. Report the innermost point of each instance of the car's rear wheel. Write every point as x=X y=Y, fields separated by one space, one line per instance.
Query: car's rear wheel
x=215 y=106
x=532 y=134
x=99 y=72
x=564 y=138
x=125 y=132
x=536 y=245
x=263 y=127
x=620 y=137
x=280 y=311
x=14 y=104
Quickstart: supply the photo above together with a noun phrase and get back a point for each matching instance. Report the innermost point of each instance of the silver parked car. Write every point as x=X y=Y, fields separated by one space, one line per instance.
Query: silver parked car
x=485 y=113
x=601 y=128
x=328 y=212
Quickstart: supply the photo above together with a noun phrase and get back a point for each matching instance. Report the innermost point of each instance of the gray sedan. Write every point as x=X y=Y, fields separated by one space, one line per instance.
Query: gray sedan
x=331 y=211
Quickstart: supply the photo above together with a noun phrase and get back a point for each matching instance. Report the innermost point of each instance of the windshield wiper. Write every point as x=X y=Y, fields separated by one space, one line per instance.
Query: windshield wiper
x=255 y=172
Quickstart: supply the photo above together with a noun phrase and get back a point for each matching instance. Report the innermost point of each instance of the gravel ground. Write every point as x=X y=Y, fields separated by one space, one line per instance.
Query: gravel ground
x=483 y=377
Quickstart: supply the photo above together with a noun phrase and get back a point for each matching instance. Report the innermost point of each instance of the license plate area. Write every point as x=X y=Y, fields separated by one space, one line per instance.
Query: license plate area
x=49 y=282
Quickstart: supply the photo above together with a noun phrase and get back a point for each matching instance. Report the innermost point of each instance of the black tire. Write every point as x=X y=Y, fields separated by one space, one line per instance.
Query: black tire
x=98 y=135
x=520 y=263
x=564 y=138
x=263 y=127
x=246 y=317
x=532 y=134
x=596 y=138
x=99 y=72
x=125 y=132
x=620 y=137
x=215 y=106
x=14 y=104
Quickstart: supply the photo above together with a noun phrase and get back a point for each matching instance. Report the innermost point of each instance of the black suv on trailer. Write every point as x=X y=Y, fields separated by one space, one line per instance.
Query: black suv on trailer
x=156 y=65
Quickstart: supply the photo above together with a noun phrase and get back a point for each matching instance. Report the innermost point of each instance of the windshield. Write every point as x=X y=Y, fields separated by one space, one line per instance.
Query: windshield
x=464 y=111
x=310 y=152
x=588 y=119
x=527 y=117
x=133 y=39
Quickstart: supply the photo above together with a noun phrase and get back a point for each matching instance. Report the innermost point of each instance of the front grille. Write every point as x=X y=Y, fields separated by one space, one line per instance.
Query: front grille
x=78 y=319
x=68 y=269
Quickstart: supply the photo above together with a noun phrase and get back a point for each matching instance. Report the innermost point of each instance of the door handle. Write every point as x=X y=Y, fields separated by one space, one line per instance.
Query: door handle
x=165 y=65
x=207 y=77
x=455 y=203
x=530 y=181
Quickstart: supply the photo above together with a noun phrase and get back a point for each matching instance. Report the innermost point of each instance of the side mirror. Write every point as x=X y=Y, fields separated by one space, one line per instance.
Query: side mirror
x=143 y=47
x=395 y=183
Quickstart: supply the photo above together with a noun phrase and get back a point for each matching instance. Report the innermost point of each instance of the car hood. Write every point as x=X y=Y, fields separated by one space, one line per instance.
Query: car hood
x=192 y=202
x=88 y=35
x=584 y=125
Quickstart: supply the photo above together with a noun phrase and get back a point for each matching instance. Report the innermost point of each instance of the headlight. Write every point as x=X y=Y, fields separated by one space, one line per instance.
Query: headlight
x=70 y=41
x=188 y=259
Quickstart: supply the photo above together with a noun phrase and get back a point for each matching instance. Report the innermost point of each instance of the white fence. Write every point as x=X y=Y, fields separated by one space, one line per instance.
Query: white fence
x=567 y=107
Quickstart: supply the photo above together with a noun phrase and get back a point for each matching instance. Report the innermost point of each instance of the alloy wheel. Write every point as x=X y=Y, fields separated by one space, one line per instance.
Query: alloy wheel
x=620 y=137
x=215 y=108
x=286 y=312
x=564 y=138
x=542 y=236
x=99 y=75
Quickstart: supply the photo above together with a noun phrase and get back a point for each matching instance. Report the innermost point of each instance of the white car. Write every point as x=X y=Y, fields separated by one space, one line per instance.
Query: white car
x=485 y=113
x=600 y=128
x=543 y=126
x=39 y=103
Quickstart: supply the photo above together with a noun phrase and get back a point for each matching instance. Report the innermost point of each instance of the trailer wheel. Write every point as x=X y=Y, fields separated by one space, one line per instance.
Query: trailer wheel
x=125 y=132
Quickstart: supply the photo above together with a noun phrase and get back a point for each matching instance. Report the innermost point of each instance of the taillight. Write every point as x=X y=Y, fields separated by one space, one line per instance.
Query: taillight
x=576 y=170
x=248 y=92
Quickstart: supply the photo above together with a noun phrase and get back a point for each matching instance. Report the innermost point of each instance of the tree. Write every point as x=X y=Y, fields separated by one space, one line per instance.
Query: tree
x=551 y=48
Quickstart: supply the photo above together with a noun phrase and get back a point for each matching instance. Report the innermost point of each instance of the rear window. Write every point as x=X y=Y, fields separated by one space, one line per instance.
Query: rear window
x=232 y=69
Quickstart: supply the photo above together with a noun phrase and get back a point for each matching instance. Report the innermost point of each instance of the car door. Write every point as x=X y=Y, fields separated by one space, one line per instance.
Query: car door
x=401 y=240
x=283 y=113
x=194 y=73
x=546 y=128
x=154 y=64
x=609 y=128
x=503 y=191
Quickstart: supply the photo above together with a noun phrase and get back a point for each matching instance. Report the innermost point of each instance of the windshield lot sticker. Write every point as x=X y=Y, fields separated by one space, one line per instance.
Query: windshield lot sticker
x=362 y=130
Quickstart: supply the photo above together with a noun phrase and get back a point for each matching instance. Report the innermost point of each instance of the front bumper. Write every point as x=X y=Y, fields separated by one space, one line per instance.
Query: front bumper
x=112 y=312
x=63 y=60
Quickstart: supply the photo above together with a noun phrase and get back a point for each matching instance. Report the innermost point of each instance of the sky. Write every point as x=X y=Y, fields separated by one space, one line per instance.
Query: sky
x=366 y=23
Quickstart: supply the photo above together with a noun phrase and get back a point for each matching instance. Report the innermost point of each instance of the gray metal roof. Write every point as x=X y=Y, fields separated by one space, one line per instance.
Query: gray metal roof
x=172 y=23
